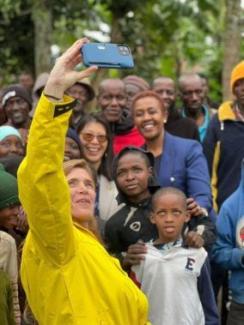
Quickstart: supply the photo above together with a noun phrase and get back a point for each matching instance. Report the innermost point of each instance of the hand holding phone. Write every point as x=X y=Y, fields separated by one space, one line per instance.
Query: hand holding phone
x=107 y=55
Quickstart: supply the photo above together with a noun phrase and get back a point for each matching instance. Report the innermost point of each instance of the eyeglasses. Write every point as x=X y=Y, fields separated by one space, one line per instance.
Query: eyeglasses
x=89 y=137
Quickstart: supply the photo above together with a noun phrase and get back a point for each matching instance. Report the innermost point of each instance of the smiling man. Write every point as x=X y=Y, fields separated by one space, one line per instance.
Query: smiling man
x=17 y=104
x=112 y=99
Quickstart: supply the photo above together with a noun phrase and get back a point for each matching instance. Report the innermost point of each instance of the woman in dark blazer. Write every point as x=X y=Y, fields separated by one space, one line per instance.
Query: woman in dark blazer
x=179 y=162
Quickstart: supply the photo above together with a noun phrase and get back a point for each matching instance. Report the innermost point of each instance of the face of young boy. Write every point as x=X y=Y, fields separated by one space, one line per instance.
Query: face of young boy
x=169 y=216
x=132 y=177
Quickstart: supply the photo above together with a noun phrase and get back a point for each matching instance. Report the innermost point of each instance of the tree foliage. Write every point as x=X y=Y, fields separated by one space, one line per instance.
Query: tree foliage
x=16 y=38
x=167 y=37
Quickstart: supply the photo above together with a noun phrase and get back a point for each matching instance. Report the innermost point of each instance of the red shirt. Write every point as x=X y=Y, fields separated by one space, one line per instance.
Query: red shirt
x=131 y=138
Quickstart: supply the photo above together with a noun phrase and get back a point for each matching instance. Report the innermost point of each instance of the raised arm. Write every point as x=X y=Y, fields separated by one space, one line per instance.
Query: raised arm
x=43 y=189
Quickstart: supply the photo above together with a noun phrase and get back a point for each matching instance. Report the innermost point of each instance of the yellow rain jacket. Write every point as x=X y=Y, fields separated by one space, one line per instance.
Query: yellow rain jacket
x=68 y=276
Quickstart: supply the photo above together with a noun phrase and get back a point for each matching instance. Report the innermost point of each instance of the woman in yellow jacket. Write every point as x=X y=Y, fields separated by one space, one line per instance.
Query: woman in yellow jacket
x=68 y=276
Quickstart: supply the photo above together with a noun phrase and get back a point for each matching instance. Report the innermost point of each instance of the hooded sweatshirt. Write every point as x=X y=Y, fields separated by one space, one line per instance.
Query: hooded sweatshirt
x=228 y=251
x=224 y=153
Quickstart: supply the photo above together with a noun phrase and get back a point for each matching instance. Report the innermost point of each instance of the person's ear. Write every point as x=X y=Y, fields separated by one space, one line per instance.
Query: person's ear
x=166 y=115
x=151 y=217
x=150 y=170
x=234 y=91
x=187 y=216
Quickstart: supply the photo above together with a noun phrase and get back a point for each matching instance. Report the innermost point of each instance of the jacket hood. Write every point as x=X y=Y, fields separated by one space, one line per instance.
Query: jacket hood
x=225 y=112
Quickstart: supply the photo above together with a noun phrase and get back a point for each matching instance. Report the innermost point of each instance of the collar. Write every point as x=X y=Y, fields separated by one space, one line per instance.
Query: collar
x=204 y=109
x=203 y=128
x=79 y=227
x=167 y=246
x=121 y=198
x=225 y=112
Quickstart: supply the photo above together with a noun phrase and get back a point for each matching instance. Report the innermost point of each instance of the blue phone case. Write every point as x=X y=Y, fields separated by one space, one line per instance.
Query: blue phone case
x=107 y=55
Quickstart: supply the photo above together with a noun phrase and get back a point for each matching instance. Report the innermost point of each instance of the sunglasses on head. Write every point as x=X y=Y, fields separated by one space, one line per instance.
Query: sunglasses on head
x=89 y=137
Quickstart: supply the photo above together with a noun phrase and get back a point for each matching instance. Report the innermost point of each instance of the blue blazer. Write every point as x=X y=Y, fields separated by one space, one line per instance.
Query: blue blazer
x=184 y=166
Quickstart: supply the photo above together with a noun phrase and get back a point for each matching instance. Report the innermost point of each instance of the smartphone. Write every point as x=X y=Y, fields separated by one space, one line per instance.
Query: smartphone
x=107 y=55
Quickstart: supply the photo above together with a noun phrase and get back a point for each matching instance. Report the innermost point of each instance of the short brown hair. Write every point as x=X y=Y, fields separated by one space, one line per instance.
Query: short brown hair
x=148 y=93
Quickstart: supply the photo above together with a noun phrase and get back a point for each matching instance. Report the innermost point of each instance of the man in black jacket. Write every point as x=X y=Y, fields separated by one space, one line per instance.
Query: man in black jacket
x=176 y=124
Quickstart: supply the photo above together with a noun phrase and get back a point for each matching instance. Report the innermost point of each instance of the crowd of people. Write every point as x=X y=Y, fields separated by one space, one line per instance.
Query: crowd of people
x=120 y=206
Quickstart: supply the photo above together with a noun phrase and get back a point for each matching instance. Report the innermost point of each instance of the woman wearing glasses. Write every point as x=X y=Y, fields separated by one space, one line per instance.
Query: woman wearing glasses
x=95 y=137
x=68 y=276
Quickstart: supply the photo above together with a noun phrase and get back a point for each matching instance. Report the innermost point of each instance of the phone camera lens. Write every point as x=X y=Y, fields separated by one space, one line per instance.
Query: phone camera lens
x=123 y=50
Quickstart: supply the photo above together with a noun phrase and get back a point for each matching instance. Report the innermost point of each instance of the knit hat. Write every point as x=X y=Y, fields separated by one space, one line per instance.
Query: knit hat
x=237 y=74
x=6 y=131
x=16 y=90
x=136 y=81
x=86 y=84
x=8 y=189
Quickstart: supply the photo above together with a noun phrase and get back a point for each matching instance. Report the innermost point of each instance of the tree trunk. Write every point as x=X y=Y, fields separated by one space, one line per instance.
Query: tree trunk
x=232 y=37
x=42 y=18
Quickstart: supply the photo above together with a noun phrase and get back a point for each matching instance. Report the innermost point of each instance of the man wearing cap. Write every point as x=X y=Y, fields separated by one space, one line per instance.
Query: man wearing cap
x=223 y=145
x=133 y=85
x=83 y=92
x=17 y=103
x=224 y=150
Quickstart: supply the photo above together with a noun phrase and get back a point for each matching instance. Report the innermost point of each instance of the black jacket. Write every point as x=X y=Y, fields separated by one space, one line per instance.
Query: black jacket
x=132 y=223
x=128 y=225
x=180 y=126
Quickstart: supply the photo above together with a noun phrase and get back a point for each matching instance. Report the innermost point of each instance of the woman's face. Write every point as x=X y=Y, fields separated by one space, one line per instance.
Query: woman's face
x=94 y=142
x=149 y=117
x=132 y=176
x=11 y=145
x=82 y=190
x=72 y=150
